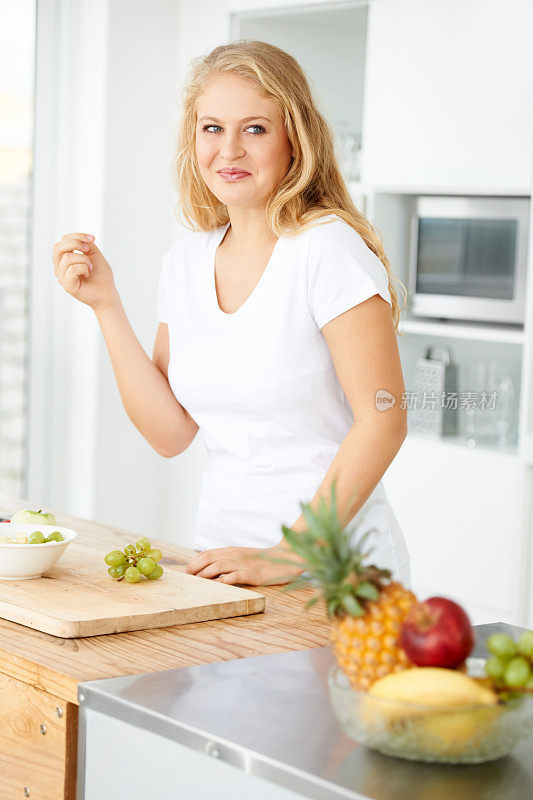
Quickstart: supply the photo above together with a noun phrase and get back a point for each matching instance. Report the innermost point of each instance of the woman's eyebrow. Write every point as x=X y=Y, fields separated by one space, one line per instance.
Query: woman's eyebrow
x=246 y=119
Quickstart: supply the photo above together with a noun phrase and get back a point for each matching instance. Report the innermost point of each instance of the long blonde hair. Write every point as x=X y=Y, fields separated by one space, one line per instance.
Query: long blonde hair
x=313 y=186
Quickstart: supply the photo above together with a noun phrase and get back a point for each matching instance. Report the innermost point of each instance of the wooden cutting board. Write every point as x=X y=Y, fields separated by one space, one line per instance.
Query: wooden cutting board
x=78 y=598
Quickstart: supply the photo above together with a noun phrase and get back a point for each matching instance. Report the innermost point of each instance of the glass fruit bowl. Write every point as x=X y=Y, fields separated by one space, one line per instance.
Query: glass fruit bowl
x=467 y=734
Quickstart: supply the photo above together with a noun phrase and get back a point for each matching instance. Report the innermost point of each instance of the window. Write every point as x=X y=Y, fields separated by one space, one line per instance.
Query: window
x=17 y=86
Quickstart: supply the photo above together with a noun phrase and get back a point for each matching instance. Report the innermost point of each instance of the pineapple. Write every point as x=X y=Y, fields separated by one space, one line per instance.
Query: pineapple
x=365 y=606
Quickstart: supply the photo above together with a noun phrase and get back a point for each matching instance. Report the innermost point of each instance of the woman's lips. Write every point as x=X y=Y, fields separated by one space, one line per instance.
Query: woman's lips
x=233 y=176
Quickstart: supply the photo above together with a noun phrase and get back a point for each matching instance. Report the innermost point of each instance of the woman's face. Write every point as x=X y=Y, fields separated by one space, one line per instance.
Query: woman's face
x=236 y=127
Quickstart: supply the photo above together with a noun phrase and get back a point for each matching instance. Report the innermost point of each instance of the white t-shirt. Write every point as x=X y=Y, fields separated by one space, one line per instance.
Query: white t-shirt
x=261 y=384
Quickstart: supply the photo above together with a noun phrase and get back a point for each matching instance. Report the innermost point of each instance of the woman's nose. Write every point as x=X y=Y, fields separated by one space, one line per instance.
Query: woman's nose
x=230 y=147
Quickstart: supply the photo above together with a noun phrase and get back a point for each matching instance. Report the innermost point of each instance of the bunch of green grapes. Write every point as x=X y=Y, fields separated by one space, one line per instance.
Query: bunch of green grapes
x=511 y=663
x=136 y=560
x=38 y=537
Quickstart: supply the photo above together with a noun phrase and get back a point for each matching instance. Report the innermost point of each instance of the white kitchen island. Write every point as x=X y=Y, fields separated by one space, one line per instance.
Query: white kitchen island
x=259 y=728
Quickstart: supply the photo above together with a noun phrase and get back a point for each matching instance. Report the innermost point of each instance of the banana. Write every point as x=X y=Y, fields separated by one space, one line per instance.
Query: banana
x=451 y=732
x=432 y=686
x=401 y=696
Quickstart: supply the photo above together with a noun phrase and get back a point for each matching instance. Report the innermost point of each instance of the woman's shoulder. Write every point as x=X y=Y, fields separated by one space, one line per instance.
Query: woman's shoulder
x=331 y=227
x=331 y=236
x=342 y=271
x=336 y=248
x=325 y=231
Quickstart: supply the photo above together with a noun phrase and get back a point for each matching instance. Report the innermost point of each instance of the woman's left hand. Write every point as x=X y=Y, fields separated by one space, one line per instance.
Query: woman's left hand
x=242 y=565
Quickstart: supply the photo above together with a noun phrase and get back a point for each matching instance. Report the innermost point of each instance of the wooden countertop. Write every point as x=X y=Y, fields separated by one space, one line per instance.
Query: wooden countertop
x=58 y=665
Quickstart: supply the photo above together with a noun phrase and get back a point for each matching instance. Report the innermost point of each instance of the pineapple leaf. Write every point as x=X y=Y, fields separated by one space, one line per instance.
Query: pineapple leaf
x=332 y=607
x=335 y=558
x=333 y=503
x=362 y=539
x=311 y=602
x=297 y=583
x=265 y=557
x=315 y=524
x=285 y=579
x=350 y=604
x=299 y=543
x=323 y=511
x=345 y=588
x=276 y=559
x=367 y=590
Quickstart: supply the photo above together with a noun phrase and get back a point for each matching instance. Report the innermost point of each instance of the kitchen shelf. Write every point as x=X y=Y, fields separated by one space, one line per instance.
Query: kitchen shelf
x=460 y=441
x=497 y=450
x=359 y=187
x=463 y=330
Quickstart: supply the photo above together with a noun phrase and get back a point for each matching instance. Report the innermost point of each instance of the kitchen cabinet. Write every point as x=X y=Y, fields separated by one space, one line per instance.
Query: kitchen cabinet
x=40 y=673
x=38 y=742
x=448 y=96
x=460 y=509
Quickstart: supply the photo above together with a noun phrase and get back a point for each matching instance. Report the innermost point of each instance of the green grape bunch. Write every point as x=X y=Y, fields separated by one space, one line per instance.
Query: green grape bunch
x=510 y=665
x=38 y=537
x=136 y=560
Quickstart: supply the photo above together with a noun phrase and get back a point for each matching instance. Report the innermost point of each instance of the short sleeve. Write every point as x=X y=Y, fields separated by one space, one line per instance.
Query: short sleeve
x=342 y=271
x=162 y=290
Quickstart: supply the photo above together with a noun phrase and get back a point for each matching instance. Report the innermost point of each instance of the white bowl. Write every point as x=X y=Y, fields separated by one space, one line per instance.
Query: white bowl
x=20 y=562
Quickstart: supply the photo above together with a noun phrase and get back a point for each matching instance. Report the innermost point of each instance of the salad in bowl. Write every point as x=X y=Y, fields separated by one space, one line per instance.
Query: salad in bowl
x=30 y=544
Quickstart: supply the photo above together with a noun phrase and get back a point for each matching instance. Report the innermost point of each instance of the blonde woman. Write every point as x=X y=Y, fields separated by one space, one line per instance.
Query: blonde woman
x=277 y=323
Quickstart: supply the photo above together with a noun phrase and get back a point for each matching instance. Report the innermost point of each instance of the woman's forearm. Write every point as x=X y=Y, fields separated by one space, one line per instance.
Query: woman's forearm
x=144 y=390
x=361 y=461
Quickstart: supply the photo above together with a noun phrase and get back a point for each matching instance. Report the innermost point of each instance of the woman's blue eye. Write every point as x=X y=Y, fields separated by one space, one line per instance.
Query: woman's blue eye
x=262 y=130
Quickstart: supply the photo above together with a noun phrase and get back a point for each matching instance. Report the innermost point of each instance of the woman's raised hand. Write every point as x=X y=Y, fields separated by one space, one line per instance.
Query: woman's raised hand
x=86 y=276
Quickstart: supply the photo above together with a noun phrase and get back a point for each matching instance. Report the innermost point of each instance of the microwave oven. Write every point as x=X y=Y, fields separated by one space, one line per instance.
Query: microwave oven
x=468 y=258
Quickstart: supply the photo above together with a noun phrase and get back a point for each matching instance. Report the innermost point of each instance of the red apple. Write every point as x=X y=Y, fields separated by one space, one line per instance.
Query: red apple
x=437 y=633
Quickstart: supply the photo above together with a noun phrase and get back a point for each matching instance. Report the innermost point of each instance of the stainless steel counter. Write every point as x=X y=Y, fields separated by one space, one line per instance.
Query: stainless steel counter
x=260 y=727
